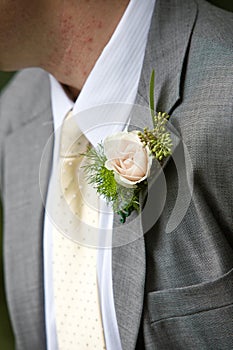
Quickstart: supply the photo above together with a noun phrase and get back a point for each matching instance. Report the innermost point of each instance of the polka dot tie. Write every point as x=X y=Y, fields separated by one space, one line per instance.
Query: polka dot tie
x=75 y=217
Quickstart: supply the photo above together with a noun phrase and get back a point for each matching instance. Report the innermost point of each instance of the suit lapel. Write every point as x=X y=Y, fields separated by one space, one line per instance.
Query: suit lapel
x=24 y=211
x=168 y=41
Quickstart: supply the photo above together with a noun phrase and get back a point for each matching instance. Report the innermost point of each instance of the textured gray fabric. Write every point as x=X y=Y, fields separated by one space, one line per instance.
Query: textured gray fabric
x=179 y=284
x=188 y=290
x=29 y=123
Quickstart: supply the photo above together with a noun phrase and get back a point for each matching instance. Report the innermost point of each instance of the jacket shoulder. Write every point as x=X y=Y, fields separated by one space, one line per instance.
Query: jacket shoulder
x=27 y=94
x=25 y=97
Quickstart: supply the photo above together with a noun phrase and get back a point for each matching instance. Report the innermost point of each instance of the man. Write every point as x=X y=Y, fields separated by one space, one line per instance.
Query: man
x=172 y=288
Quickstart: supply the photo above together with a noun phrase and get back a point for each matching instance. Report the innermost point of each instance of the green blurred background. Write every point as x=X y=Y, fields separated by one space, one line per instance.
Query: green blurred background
x=6 y=335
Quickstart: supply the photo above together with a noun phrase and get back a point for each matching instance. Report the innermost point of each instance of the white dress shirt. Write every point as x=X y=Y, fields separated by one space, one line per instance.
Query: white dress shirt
x=114 y=79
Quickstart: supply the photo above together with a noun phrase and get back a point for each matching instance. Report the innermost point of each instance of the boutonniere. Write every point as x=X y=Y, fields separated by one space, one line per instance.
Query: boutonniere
x=119 y=167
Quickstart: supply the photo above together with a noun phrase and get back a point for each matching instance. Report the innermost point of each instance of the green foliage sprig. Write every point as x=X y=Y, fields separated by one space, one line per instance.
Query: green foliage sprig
x=123 y=200
x=98 y=175
x=158 y=139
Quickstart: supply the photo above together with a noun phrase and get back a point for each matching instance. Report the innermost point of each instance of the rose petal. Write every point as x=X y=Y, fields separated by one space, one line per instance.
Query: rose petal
x=128 y=158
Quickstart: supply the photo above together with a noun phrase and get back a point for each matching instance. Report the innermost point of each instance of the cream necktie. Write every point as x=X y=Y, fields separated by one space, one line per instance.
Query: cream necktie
x=77 y=309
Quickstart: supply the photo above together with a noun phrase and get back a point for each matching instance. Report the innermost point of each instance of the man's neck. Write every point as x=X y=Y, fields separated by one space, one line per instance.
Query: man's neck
x=81 y=32
x=71 y=92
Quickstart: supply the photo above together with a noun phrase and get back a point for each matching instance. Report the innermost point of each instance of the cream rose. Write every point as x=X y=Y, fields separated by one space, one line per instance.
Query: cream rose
x=128 y=158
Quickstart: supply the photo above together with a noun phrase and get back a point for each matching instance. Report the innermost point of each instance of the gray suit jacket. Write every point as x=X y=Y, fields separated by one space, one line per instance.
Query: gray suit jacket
x=172 y=290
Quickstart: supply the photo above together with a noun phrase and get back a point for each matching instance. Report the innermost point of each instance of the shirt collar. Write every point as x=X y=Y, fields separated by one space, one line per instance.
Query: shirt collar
x=113 y=81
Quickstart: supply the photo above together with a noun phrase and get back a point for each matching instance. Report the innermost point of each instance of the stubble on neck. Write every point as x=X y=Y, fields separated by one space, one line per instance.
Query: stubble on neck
x=78 y=38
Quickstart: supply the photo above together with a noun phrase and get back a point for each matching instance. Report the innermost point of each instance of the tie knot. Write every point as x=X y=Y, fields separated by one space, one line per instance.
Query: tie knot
x=73 y=141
